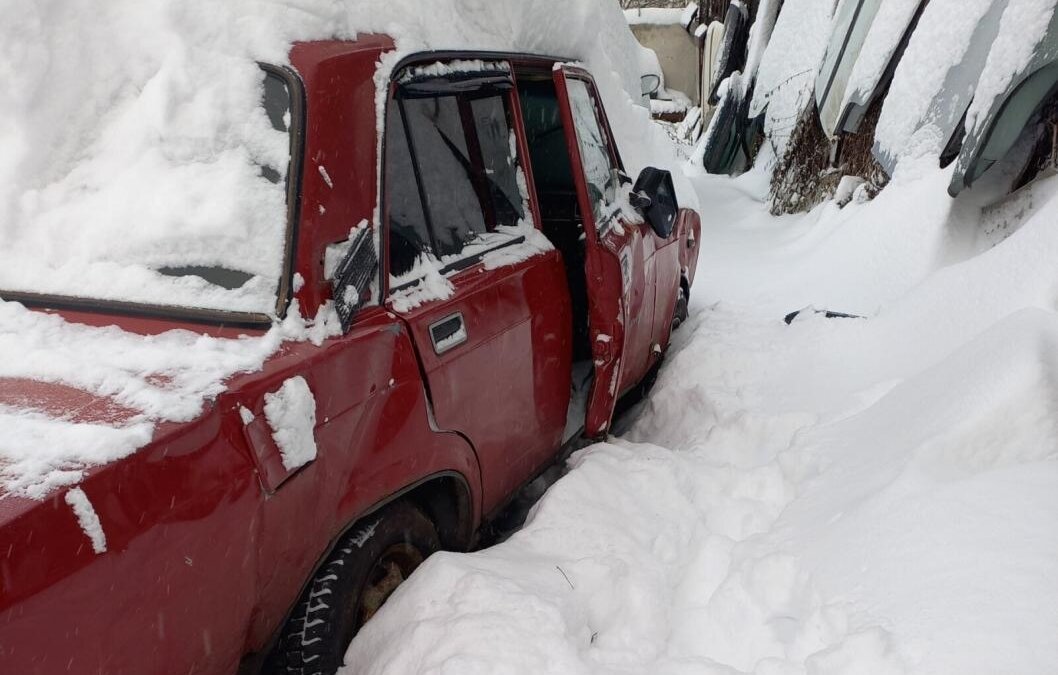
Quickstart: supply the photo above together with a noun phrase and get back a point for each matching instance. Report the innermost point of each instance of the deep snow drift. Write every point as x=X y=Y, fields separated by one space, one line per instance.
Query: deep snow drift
x=872 y=495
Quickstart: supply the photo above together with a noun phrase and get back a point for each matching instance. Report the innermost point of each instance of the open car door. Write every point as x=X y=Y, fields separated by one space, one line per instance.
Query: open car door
x=617 y=264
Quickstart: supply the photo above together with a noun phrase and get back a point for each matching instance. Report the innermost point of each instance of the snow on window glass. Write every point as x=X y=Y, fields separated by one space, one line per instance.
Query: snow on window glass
x=594 y=150
x=164 y=244
x=454 y=67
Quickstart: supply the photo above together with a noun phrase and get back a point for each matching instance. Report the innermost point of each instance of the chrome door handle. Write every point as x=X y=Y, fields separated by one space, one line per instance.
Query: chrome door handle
x=448 y=333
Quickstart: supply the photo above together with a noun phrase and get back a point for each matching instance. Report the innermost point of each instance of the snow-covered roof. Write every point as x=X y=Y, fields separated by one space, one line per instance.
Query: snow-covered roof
x=1026 y=44
x=935 y=80
x=789 y=65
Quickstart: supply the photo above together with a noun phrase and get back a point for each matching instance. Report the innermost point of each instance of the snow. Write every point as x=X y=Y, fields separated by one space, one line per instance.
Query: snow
x=88 y=519
x=441 y=68
x=789 y=65
x=1023 y=25
x=364 y=535
x=835 y=496
x=428 y=285
x=879 y=47
x=291 y=414
x=655 y=16
x=534 y=244
x=760 y=35
x=162 y=378
x=325 y=176
x=935 y=80
x=832 y=496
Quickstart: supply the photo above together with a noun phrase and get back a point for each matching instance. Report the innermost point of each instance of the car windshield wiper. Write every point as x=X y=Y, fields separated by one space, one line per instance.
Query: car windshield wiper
x=218 y=276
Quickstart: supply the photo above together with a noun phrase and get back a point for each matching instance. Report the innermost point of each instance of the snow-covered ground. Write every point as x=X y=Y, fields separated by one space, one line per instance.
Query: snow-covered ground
x=873 y=495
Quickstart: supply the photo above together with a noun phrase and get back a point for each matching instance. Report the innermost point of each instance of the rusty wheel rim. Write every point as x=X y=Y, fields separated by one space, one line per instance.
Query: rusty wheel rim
x=391 y=569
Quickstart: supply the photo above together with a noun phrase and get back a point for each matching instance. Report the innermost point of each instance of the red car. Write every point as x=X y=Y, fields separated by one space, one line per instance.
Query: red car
x=514 y=292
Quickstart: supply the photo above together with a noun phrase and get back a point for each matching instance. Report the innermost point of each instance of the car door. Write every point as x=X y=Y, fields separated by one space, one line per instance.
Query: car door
x=619 y=252
x=482 y=291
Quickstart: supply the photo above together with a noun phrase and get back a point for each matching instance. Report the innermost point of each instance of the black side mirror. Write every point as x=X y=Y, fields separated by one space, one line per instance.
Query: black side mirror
x=351 y=285
x=649 y=84
x=655 y=198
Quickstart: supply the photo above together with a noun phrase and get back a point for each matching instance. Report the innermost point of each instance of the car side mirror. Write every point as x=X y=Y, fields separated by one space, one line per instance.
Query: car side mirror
x=654 y=197
x=351 y=284
x=649 y=84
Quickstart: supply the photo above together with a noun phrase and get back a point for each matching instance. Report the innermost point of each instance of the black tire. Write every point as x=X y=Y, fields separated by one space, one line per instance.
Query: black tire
x=365 y=567
x=681 y=311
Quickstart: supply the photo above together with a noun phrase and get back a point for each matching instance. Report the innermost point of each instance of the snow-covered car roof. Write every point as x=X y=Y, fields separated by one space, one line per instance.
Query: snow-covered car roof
x=1021 y=73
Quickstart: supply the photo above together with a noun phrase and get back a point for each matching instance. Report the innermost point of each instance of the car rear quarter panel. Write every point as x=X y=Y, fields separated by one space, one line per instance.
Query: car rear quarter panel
x=176 y=577
x=202 y=561
x=374 y=439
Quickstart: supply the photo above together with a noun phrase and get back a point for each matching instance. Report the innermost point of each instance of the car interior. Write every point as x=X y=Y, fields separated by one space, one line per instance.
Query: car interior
x=561 y=220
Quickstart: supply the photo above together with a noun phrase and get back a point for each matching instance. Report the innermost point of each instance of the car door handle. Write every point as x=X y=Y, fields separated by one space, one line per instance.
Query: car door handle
x=448 y=333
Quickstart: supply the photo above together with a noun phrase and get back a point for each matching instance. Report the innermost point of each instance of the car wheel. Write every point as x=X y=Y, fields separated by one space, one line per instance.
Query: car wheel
x=362 y=572
x=681 y=311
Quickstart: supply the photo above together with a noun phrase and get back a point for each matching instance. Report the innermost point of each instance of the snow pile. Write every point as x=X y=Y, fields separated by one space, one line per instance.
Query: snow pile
x=788 y=68
x=944 y=55
x=291 y=414
x=872 y=495
x=760 y=34
x=1024 y=24
x=886 y=32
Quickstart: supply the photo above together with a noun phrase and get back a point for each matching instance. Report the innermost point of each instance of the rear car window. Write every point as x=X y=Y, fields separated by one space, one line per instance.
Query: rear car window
x=165 y=249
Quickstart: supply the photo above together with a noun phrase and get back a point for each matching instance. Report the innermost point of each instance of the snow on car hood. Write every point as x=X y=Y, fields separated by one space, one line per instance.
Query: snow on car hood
x=74 y=396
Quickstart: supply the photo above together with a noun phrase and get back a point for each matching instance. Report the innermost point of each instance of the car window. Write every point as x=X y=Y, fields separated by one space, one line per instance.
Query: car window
x=446 y=171
x=497 y=142
x=594 y=150
x=409 y=235
x=452 y=177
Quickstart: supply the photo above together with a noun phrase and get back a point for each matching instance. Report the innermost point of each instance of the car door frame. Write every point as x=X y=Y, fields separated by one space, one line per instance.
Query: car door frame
x=618 y=262
x=545 y=313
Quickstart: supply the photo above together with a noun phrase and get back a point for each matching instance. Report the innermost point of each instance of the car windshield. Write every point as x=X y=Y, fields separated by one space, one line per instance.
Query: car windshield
x=211 y=236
